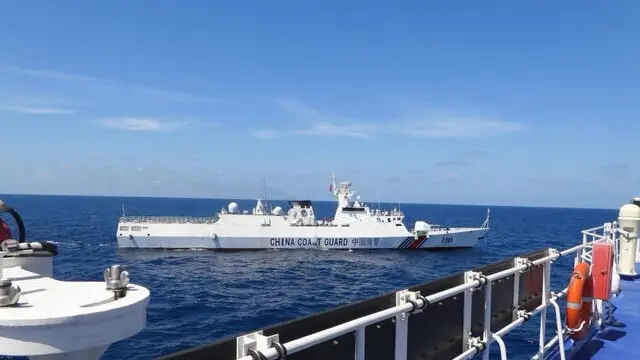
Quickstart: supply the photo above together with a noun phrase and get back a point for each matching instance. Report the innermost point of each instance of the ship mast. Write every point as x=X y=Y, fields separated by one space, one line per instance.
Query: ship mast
x=267 y=203
x=333 y=188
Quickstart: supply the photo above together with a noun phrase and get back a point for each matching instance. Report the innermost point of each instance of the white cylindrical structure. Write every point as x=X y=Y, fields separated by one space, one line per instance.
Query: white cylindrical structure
x=615 y=282
x=629 y=221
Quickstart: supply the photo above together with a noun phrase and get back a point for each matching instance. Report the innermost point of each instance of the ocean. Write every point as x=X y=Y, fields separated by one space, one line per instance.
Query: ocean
x=200 y=296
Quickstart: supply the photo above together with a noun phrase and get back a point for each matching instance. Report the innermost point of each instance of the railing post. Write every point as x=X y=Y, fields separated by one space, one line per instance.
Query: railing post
x=254 y=341
x=614 y=235
x=469 y=276
x=402 y=324
x=580 y=253
x=516 y=287
x=486 y=335
x=359 y=353
x=546 y=288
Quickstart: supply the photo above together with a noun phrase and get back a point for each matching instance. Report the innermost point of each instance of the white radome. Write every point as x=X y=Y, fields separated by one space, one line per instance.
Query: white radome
x=233 y=208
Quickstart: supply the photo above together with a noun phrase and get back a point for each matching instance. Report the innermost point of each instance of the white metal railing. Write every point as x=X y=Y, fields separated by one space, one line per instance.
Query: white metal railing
x=408 y=302
x=168 y=219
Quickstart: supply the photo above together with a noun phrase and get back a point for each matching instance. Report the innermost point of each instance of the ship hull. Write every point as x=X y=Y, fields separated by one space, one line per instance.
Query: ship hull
x=462 y=239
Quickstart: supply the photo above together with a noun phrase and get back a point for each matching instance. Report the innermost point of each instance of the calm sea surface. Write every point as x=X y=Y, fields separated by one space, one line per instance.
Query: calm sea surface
x=200 y=296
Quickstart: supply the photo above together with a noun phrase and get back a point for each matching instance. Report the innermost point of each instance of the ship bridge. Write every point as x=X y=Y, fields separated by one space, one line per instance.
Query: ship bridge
x=301 y=213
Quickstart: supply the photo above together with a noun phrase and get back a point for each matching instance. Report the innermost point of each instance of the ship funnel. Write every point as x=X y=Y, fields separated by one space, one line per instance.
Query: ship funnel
x=629 y=221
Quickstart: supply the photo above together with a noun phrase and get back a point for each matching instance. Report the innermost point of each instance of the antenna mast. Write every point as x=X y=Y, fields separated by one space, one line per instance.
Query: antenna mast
x=265 y=196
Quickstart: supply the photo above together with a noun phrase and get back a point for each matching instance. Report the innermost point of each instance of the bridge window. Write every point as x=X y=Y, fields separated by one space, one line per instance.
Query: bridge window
x=124 y=228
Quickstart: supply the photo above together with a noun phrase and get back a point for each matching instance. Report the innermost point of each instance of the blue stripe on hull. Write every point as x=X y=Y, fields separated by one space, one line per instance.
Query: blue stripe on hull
x=406 y=242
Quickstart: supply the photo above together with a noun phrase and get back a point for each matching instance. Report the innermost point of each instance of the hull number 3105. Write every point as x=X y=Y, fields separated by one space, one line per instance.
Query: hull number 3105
x=447 y=240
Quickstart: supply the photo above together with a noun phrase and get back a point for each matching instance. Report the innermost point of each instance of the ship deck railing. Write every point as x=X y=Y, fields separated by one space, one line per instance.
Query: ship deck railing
x=168 y=219
x=431 y=319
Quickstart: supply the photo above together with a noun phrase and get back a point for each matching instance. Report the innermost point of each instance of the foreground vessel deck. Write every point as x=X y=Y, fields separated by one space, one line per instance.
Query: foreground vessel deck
x=44 y=318
x=618 y=343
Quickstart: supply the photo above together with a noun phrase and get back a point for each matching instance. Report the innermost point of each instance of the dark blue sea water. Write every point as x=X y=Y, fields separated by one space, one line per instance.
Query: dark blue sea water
x=200 y=296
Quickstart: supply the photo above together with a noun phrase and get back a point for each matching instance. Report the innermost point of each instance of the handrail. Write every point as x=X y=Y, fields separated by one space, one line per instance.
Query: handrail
x=168 y=219
x=310 y=340
x=409 y=302
x=503 y=348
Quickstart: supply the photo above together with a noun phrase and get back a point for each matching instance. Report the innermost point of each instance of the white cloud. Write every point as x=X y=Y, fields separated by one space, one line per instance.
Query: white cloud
x=619 y=170
x=300 y=110
x=107 y=84
x=47 y=74
x=137 y=124
x=264 y=133
x=429 y=125
x=140 y=123
x=459 y=128
x=462 y=159
x=332 y=130
x=323 y=125
x=36 y=110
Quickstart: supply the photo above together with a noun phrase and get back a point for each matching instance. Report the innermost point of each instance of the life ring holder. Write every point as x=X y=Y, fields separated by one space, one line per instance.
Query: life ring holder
x=303 y=212
x=579 y=298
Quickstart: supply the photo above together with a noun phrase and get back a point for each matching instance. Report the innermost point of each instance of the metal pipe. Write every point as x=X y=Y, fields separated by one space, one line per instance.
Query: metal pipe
x=503 y=348
x=592 y=229
x=573 y=249
x=453 y=291
x=516 y=269
x=360 y=344
x=505 y=330
x=548 y=346
x=546 y=288
x=486 y=336
x=513 y=270
x=344 y=328
x=466 y=354
x=559 y=328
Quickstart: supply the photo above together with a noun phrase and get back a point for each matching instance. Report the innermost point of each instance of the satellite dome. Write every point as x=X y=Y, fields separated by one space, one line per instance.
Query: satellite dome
x=233 y=207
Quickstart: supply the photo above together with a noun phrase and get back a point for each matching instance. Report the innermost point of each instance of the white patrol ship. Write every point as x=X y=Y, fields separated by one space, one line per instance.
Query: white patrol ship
x=354 y=226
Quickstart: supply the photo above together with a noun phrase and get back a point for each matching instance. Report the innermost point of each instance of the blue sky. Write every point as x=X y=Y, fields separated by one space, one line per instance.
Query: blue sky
x=497 y=102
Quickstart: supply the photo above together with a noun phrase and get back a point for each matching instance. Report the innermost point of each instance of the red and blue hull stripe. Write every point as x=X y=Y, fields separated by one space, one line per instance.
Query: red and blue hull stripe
x=412 y=243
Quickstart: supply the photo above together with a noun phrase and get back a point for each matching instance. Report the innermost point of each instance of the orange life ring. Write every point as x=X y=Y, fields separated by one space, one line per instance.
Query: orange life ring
x=579 y=298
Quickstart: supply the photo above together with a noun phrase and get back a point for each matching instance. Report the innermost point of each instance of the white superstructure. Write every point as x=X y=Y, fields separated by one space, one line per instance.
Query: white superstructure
x=354 y=226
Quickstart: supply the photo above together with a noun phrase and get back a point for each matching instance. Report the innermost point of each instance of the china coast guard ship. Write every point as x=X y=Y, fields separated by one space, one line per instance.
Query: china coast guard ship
x=354 y=226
